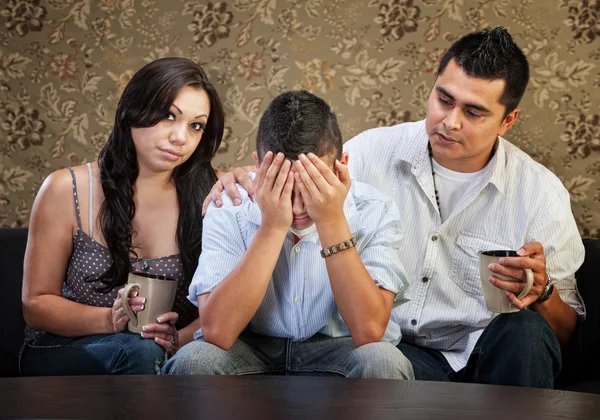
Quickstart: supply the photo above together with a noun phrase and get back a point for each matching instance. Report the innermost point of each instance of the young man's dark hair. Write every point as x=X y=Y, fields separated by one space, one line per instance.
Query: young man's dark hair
x=298 y=122
x=492 y=54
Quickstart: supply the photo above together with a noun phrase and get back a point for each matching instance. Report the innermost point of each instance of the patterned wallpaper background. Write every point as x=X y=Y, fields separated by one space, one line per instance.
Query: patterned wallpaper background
x=64 y=63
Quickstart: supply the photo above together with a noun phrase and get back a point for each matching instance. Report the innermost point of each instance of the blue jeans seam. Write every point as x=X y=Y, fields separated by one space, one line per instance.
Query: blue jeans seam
x=54 y=346
x=288 y=354
x=159 y=364
x=325 y=370
x=480 y=356
x=243 y=372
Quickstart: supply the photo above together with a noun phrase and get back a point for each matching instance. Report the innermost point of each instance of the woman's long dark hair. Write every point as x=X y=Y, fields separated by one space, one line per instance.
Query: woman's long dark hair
x=146 y=101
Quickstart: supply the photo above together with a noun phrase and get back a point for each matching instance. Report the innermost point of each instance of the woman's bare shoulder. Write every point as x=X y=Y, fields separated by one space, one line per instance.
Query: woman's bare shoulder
x=53 y=203
x=58 y=183
x=61 y=181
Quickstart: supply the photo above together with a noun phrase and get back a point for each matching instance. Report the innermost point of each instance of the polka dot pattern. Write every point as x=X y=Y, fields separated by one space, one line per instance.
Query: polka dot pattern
x=91 y=260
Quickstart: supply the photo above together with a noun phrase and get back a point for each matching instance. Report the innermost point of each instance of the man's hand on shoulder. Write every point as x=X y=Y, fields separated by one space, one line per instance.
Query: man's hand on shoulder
x=228 y=181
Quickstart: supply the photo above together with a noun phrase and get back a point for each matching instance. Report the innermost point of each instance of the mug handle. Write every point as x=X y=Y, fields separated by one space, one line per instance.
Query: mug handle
x=125 y=303
x=529 y=284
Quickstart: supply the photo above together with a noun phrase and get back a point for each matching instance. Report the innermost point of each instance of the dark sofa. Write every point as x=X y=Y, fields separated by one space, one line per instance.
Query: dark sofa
x=581 y=361
x=12 y=252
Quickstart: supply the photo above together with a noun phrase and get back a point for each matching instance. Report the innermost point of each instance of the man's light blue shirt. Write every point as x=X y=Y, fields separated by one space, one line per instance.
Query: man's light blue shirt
x=299 y=301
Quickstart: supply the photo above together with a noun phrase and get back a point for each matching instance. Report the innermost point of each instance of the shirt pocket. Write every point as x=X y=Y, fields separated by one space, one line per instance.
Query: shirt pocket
x=465 y=260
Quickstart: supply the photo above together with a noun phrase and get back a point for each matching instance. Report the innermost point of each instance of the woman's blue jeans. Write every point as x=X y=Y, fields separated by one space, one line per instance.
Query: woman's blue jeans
x=106 y=354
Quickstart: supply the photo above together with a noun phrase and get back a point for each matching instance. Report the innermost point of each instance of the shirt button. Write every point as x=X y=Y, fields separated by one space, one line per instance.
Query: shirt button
x=297 y=248
x=297 y=300
x=434 y=238
x=413 y=322
x=425 y=279
x=145 y=266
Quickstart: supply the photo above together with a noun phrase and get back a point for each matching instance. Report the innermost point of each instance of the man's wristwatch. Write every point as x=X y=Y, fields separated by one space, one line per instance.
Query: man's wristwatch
x=547 y=291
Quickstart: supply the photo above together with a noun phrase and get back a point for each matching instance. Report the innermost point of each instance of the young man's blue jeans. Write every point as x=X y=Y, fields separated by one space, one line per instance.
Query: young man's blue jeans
x=517 y=349
x=122 y=353
x=319 y=355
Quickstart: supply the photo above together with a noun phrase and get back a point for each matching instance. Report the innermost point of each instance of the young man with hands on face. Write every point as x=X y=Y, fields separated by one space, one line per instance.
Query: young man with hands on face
x=303 y=280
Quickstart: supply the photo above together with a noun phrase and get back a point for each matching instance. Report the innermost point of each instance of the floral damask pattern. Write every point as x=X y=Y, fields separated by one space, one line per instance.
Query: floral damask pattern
x=250 y=65
x=582 y=135
x=584 y=18
x=317 y=75
x=397 y=17
x=210 y=22
x=64 y=66
x=23 y=16
x=65 y=63
x=23 y=127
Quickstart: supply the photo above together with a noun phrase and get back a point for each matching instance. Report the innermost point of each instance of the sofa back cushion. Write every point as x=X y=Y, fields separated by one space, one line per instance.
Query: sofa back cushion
x=588 y=282
x=12 y=252
x=580 y=356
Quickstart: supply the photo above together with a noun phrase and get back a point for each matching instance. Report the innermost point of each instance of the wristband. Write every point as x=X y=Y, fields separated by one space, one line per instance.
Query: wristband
x=334 y=249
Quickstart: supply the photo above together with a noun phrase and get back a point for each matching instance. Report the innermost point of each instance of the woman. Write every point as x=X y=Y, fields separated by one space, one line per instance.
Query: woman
x=137 y=209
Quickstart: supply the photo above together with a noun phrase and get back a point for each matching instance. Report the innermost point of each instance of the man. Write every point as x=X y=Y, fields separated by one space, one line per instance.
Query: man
x=462 y=188
x=304 y=279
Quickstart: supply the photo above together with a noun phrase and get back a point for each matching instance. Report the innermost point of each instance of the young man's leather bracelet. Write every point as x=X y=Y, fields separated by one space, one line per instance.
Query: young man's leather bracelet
x=334 y=249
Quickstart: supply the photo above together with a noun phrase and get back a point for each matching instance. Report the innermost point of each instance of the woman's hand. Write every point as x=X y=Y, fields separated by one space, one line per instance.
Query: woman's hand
x=163 y=332
x=119 y=318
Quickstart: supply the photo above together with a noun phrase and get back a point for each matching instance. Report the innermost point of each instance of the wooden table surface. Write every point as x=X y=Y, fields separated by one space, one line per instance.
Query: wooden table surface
x=281 y=397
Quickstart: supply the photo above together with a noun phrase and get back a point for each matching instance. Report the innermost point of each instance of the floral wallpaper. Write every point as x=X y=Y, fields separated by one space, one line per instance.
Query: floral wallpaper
x=64 y=63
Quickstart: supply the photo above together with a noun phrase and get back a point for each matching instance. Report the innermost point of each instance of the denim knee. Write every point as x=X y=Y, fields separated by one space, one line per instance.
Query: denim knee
x=526 y=328
x=380 y=360
x=518 y=349
x=137 y=356
x=197 y=358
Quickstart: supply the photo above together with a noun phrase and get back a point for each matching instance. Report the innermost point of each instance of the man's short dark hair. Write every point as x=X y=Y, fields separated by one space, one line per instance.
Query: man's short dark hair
x=298 y=122
x=492 y=54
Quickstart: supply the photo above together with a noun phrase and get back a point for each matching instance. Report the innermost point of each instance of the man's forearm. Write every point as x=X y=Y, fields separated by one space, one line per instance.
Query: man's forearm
x=561 y=316
x=186 y=334
x=233 y=303
x=359 y=300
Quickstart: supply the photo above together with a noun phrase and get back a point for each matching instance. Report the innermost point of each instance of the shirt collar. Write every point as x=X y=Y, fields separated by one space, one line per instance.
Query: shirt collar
x=494 y=172
x=253 y=211
x=253 y=214
x=497 y=166
x=415 y=152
